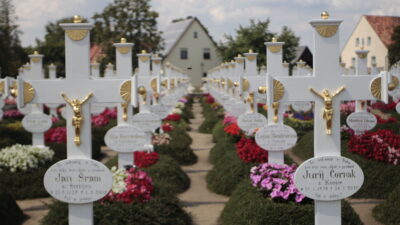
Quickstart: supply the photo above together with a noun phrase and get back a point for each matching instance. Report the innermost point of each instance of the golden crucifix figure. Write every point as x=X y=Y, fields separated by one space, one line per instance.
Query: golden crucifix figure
x=328 y=109
x=77 y=119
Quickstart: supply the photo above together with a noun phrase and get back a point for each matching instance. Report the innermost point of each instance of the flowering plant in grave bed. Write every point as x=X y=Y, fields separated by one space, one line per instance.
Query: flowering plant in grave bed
x=161 y=139
x=167 y=127
x=145 y=159
x=173 y=117
x=132 y=185
x=276 y=182
x=382 y=145
x=179 y=105
x=23 y=157
x=56 y=135
x=177 y=111
x=248 y=151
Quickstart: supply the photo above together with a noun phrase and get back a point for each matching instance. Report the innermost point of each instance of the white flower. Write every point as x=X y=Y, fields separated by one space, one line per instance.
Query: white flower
x=180 y=105
x=176 y=111
x=24 y=157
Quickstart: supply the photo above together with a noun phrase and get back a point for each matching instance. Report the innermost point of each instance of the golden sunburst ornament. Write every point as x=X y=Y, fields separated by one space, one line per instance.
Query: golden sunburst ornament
x=393 y=84
x=376 y=87
x=123 y=50
x=2 y=86
x=279 y=90
x=125 y=91
x=77 y=35
x=245 y=85
x=29 y=92
x=275 y=48
x=153 y=84
x=327 y=30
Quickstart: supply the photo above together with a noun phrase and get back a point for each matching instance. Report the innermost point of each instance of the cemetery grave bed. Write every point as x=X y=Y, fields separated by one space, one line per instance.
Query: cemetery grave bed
x=10 y=213
x=179 y=147
x=257 y=209
x=211 y=117
x=380 y=178
x=162 y=209
x=389 y=212
x=166 y=174
x=229 y=169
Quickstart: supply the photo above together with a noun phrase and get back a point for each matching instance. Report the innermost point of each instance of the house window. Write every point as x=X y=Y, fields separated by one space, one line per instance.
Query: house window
x=184 y=53
x=195 y=35
x=204 y=74
x=353 y=61
x=362 y=42
x=206 y=53
x=368 y=41
x=357 y=42
x=373 y=60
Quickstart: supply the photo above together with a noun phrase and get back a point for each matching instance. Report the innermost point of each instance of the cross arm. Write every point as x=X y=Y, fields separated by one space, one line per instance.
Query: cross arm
x=49 y=91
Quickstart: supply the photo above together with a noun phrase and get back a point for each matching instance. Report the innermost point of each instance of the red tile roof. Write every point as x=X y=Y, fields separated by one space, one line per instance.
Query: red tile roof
x=96 y=53
x=383 y=26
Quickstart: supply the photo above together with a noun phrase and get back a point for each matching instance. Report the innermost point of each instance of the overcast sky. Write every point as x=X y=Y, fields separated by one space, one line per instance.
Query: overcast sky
x=219 y=16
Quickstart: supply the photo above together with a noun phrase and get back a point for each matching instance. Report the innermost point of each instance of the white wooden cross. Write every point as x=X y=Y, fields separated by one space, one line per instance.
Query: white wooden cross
x=36 y=121
x=326 y=77
x=80 y=90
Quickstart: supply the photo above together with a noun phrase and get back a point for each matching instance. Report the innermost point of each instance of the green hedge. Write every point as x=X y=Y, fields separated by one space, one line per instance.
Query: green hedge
x=13 y=133
x=10 y=213
x=248 y=206
x=166 y=174
x=227 y=172
x=218 y=151
x=380 y=178
x=218 y=131
x=179 y=147
x=389 y=212
x=301 y=128
x=162 y=209
x=210 y=119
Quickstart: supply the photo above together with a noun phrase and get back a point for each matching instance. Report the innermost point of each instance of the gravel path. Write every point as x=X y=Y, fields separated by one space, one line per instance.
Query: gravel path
x=204 y=205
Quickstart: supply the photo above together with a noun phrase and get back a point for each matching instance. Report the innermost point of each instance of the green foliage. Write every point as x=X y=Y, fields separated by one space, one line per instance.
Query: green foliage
x=12 y=54
x=389 y=212
x=13 y=133
x=227 y=172
x=253 y=37
x=248 y=206
x=394 y=48
x=179 y=147
x=218 y=151
x=218 y=131
x=131 y=19
x=10 y=213
x=380 y=178
x=210 y=119
x=166 y=174
x=162 y=209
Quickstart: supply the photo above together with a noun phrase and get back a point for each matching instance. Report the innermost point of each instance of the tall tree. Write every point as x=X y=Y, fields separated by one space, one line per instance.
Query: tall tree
x=131 y=19
x=253 y=37
x=11 y=53
x=394 y=48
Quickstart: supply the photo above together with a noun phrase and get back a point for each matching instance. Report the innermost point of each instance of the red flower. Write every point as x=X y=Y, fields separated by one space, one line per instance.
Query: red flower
x=167 y=127
x=145 y=159
x=382 y=145
x=110 y=113
x=173 y=117
x=100 y=120
x=210 y=99
x=56 y=135
x=249 y=151
x=232 y=129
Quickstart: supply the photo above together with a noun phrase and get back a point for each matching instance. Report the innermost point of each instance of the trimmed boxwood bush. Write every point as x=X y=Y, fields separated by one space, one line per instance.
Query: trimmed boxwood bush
x=210 y=119
x=389 y=212
x=227 y=172
x=179 y=147
x=166 y=174
x=14 y=133
x=218 y=132
x=248 y=206
x=219 y=149
x=301 y=128
x=10 y=213
x=380 y=178
x=162 y=209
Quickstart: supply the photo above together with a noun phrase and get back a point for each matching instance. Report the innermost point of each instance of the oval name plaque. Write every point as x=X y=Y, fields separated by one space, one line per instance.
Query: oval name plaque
x=301 y=106
x=37 y=122
x=361 y=121
x=78 y=181
x=328 y=178
x=126 y=138
x=147 y=121
x=251 y=121
x=237 y=109
x=276 y=137
x=160 y=110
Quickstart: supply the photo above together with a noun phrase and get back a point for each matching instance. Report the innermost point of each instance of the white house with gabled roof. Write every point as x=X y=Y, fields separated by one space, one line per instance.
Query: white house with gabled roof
x=189 y=46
